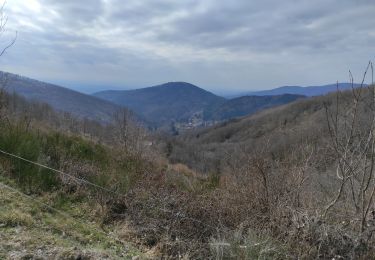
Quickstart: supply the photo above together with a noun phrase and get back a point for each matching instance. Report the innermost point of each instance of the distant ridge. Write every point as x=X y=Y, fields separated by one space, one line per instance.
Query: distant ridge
x=309 y=91
x=60 y=98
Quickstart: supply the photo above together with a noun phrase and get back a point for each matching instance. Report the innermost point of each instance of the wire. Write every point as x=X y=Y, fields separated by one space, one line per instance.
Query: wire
x=2 y=185
x=60 y=172
x=178 y=215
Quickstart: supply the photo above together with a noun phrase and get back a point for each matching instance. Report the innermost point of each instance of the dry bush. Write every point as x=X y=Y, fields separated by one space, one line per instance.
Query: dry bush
x=290 y=173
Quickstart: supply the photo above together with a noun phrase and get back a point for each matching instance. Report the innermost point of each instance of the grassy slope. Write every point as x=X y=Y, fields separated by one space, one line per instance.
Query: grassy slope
x=28 y=229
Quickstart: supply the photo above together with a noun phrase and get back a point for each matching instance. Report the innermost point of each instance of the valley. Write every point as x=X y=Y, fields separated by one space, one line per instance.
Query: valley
x=155 y=186
x=216 y=130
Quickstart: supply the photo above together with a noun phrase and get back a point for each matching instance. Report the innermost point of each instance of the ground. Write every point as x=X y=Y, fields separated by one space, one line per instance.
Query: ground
x=30 y=230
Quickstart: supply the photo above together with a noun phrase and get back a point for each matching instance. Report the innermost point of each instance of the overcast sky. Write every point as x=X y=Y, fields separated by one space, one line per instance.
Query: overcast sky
x=218 y=45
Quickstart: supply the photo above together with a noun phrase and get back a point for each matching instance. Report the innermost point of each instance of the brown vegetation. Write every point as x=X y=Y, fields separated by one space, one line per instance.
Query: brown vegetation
x=291 y=182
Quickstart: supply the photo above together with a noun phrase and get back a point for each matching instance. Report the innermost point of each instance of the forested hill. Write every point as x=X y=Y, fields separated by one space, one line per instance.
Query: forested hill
x=60 y=98
x=173 y=101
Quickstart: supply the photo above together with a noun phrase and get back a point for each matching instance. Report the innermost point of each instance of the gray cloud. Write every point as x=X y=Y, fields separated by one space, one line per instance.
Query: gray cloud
x=73 y=11
x=282 y=26
x=216 y=44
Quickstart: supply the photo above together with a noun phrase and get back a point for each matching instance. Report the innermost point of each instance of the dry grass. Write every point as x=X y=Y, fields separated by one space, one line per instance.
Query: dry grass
x=252 y=188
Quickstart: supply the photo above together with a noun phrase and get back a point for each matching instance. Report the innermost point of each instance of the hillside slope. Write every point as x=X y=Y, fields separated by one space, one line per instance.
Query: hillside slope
x=247 y=105
x=281 y=128
x=60 y=98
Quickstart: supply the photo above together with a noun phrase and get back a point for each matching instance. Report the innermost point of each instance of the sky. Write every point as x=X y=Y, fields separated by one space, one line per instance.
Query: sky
x=222 y=46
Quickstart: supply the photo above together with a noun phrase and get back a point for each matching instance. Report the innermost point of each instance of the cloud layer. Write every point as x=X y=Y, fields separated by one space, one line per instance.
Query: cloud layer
x=218 y=45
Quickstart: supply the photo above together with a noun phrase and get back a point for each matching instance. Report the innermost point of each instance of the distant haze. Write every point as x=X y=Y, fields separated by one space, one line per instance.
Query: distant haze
x=221 y=46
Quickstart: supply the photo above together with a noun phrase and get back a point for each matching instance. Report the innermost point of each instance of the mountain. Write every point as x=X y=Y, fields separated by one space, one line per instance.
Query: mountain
x=306 y=91
x=60 y=98
x=173 y=101
x=185 y=103
x=247 y=105
x=158 y=106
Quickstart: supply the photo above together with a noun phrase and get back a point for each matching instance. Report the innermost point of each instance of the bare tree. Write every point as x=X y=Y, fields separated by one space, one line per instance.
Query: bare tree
x=351 y=124
x=129 y=135
x=3 y=78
